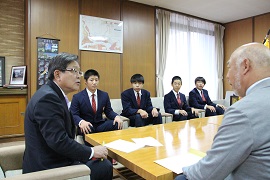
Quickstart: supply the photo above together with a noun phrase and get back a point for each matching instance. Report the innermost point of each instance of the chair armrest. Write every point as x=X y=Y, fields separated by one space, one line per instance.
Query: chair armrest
x=164 y=114
x=66 y=172
x=11 y=157
x=125 y=122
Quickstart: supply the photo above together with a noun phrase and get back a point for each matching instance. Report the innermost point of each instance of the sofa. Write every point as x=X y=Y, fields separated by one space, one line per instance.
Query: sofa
x=11 y=158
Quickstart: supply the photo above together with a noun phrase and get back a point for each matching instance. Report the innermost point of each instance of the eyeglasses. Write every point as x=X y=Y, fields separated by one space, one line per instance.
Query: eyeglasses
x=74 y=71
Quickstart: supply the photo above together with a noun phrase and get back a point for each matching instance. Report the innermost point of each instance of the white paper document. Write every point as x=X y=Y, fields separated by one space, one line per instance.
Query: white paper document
x=122 y=145
x=176 y=163
x=147 y=141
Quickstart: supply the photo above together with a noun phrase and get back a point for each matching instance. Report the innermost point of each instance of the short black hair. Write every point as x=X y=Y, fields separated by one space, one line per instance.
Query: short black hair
x=200 y=79
x=137 y=78
x=90 y=72
x=176 y=78
x=60 y=62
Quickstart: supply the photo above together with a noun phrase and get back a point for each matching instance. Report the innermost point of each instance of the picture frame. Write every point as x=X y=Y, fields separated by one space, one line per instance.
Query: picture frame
x=2 y=71
x=17 y=75
x=100 y=34
x=234 y=99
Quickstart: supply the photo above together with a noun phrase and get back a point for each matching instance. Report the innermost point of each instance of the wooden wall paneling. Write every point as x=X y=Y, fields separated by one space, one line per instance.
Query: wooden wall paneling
x=139 y=44
x=108 y=67
x=101 y=8
x=53 y=19
x=236 y=34
x=107 y=64
x=12 y=34
x=261 y=27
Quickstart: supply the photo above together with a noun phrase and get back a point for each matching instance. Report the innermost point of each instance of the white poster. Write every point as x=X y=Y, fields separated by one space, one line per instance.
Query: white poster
x=100 y=34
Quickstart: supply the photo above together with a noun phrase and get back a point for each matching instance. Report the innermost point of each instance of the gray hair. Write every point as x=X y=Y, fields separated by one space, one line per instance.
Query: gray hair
x=60 y=62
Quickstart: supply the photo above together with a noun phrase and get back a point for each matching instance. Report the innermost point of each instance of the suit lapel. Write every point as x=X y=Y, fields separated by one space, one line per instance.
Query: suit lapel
x=86 y=99
x=70 y=126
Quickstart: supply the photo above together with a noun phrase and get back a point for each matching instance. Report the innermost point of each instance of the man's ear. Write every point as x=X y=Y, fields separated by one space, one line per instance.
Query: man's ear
x=56 y=74
x=246 y=64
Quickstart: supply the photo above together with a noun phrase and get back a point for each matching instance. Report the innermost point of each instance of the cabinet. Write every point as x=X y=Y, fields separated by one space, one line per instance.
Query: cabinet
x=12 y=108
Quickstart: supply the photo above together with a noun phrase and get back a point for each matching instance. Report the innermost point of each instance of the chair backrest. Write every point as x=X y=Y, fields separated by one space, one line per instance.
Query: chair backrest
x=227 y=98
x=11 y=157
x=116 y=105
x=157 y=102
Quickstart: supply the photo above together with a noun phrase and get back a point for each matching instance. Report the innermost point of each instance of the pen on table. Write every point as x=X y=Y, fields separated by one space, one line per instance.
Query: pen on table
x=102 y=145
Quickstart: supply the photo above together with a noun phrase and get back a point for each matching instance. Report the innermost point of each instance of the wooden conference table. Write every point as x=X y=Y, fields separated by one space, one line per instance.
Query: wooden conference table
x=176 y=137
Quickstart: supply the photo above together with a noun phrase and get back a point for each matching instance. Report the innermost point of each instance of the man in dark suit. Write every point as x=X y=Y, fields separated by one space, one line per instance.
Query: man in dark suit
x=137 y=105
x=175 y=103
x=49 y=127
x=199 y=98
x=88 y=118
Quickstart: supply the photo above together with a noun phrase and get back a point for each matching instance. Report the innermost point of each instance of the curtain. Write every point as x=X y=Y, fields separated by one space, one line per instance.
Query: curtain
x=192 y=53
x=219 y=33
x=163 y=28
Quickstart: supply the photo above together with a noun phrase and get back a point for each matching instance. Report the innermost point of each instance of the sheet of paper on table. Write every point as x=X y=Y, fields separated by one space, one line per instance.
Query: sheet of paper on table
x=147 y=141
x=176 y=163
x=122 y=145
x=127 y=146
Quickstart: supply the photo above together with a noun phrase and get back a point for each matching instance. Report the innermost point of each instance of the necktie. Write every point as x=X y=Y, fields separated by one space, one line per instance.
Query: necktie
x=94 y=106
x=203 y=98
x=178 y=99
x=138 y=99
x=67 y=101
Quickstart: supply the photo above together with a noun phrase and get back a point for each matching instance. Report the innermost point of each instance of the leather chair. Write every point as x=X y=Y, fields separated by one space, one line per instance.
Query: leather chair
x=11 y=158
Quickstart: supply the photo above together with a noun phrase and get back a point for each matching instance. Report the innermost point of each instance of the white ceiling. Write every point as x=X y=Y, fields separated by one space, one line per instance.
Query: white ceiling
x=222 y=11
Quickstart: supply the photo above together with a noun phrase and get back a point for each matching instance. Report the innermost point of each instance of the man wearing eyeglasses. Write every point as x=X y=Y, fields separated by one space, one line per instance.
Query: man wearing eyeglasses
x=49 y=127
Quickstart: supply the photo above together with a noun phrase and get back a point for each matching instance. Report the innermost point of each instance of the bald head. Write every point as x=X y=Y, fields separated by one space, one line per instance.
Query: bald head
x=248 y=64
x=256 y=53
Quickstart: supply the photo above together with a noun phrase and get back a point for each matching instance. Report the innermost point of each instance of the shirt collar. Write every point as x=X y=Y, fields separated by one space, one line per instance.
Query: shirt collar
x=90 y=93
x=175 y=93
x=253 y=85
x=140 y=92
x=60 y=89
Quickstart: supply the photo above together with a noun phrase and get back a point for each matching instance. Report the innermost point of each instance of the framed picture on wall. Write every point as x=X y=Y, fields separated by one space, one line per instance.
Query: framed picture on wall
x=2 y=71
x=17 y=76
x=100 y=34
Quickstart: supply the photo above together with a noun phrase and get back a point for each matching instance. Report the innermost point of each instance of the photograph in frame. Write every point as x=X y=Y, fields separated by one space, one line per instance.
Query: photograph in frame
x=2 y=71
x=17 y=76
x=234 y=99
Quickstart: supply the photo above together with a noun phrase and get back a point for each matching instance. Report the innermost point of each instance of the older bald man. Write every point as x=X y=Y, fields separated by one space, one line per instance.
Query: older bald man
x=241 y=147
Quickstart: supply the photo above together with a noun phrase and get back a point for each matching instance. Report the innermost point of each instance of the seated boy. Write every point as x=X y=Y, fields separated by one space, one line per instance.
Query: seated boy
x=199 y=98
x=88 y=106
x=175 y=102
x=137 y=105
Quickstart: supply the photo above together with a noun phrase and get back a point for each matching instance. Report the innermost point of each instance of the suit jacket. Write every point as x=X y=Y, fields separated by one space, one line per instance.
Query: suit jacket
x=49 y=132
x=81 y=107
x=171 y=104
x=129 y=103
x=241 y=147
x=195 y=99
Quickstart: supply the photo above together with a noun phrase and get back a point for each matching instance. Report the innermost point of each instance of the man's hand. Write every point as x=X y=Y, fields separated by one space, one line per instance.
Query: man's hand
x=100 y=152
x=211 y=108
x=154 y=112
x=85 y=127
x=223 y=107
x=119 y=121
x=196 y=111
x=183 y=112
x=143 y=113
